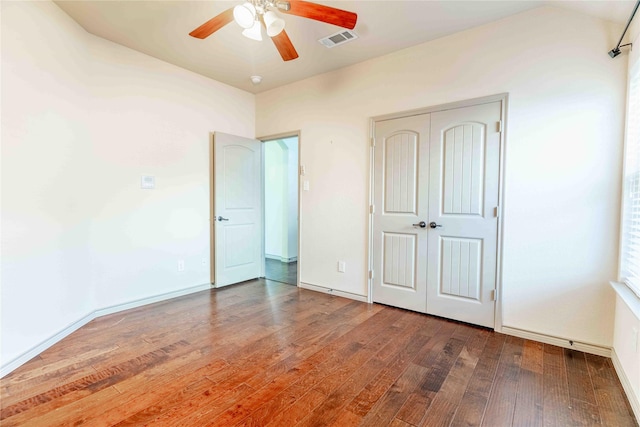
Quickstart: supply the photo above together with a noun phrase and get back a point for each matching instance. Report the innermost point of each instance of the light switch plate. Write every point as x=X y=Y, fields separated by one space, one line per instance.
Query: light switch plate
x=341 y=266
x=147 y=182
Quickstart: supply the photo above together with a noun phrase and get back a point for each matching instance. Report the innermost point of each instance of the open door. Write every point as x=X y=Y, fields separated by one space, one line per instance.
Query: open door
x=237 y=209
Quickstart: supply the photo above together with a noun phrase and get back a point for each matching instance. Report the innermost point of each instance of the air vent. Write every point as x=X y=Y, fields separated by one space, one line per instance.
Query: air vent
x=340 y=37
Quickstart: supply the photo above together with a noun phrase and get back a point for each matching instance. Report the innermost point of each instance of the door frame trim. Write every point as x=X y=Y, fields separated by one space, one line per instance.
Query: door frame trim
x=503 y=98
x=212 y=229
x=283 y=135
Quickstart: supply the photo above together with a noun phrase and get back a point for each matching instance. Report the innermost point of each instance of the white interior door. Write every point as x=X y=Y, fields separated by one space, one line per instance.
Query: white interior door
x=401 y=154
x=441 y=168
x=463 y=204
x=237 y=209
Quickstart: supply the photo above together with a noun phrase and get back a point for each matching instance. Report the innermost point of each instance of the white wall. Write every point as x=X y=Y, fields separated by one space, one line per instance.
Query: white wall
x=625 y=345
x=46 y=193
x=292 y=197
x=564 y=141
x=275 y=161
x=82 y=120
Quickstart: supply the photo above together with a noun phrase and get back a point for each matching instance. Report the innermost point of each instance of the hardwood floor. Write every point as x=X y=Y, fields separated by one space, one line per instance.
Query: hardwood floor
x=285 y=272
x=268 y=354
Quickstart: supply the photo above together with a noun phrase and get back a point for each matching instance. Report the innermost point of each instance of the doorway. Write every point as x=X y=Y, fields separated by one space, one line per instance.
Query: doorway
x=281 y=209
x=436 y=193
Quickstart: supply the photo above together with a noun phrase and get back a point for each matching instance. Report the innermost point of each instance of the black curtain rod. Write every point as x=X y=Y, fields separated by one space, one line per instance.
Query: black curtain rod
x=616 y=50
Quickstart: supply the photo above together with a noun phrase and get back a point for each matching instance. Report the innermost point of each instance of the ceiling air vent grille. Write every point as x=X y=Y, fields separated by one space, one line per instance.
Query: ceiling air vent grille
x=340 y=37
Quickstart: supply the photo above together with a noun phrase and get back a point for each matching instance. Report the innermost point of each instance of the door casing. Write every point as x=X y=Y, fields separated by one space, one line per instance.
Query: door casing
x=503 y=98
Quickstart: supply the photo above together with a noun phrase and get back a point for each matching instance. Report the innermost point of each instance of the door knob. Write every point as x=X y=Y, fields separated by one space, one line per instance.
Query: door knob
x=222 y=219
x=432 y=224
x=421 y=224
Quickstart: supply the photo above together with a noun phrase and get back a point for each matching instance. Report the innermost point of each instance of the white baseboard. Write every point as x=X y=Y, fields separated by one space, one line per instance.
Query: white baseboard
x=626 y=385
x=10 y=366
x=560 y=342
x=150 y=300
x=281 y=259
x=333 y=292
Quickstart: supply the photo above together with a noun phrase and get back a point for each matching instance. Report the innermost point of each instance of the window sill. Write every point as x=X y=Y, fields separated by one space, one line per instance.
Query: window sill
x=628 y=296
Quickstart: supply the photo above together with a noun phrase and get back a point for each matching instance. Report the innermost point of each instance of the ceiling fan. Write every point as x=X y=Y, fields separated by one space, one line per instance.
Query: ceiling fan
x=255 y=14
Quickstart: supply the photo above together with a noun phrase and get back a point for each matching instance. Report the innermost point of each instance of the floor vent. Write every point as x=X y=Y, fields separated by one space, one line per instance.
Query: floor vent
x=340 y=37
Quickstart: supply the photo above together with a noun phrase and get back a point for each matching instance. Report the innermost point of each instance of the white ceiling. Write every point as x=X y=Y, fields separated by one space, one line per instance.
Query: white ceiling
x=161 y=29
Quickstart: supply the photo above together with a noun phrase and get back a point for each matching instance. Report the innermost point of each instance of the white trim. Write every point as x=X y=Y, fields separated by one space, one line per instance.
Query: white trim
x=325 y=290
x=10 y=366
x=632 y=69
x=150 y=300
x=369 y=248
x=443 y=107
x=560 y=342
x=626 y=384
x=504 y=110
x=503 y=98
x=628 y=296
x=281 y=259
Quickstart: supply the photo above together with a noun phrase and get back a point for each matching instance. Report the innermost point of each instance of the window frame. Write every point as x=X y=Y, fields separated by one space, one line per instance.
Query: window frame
x=631 y=276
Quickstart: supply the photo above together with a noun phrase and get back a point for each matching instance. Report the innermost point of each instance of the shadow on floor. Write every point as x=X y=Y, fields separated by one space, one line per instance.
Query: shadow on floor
x=285 y=272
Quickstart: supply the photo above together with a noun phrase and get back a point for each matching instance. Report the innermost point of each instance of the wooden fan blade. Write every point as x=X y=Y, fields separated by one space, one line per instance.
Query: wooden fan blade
x=284 y=46
x=213 y=24
x=318 y=12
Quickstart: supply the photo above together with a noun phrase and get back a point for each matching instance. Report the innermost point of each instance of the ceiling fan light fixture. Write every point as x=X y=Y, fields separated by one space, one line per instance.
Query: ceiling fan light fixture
x=244 y=15
x=254 y=32
x=273 y=23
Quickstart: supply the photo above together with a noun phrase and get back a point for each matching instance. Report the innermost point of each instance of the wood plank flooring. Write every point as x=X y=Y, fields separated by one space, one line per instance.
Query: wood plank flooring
x=264 y=353
x=285 y=272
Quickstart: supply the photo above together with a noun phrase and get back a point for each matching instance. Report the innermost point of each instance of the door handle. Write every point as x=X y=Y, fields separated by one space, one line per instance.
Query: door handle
x=222 y=219
x=421 y=224
x=433 y=224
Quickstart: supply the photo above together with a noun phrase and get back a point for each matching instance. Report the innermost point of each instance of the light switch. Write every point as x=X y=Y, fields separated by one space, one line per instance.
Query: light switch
x=147 y=182
x=305 y=185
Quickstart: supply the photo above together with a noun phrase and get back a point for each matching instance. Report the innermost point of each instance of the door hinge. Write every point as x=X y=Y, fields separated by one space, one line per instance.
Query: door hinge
x=372 y=209
x=496 y=211
x=373 y=142
x=370 y=274
x=499 y=126
x=494 y=294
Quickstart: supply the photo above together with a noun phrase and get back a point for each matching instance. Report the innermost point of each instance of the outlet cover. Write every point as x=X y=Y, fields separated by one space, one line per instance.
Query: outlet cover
x=180 y=265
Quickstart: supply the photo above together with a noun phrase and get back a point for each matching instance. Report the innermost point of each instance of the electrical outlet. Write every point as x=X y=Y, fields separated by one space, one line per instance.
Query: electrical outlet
x=341 y=266
x=180 y=265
